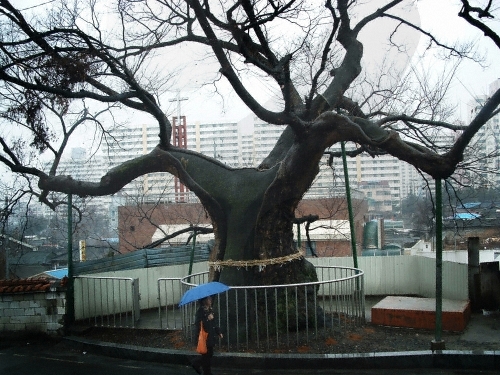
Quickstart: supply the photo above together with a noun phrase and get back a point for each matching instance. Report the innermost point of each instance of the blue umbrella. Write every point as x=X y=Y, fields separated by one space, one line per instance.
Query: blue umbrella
x=202 y=291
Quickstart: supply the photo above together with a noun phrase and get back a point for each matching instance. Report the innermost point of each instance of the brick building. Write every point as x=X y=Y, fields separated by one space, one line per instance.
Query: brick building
x=138 y=226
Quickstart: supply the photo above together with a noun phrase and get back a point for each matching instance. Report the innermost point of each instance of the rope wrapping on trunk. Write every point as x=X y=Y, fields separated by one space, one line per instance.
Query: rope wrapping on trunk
x=261 y=263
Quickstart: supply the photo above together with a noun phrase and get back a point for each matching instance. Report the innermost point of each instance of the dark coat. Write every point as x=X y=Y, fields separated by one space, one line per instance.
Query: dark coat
x=209 y=325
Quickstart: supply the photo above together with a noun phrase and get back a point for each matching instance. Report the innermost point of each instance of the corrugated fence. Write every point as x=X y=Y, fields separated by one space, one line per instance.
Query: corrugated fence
x=406 y=275
x=144 y=258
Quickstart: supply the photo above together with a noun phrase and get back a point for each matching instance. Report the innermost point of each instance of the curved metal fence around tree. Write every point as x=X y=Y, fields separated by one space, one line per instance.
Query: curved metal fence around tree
x=274 y=316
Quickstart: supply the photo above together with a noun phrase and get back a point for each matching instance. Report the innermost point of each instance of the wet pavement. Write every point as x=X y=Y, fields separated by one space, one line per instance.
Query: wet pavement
x=482 y=328
x=31 y=358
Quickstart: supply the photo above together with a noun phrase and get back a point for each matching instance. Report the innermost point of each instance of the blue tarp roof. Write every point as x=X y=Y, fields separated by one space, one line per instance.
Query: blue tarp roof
x=466 y=216
x=59 y=273
x=471 y=205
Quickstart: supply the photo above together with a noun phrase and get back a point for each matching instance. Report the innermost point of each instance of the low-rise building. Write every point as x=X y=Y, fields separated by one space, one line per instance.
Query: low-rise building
x=329 y=236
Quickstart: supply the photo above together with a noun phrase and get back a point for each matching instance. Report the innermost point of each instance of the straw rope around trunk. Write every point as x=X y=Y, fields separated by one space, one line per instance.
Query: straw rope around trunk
x=261 y=263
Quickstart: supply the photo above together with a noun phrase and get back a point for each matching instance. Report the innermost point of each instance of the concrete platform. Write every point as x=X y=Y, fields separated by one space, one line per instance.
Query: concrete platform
x=415 y=312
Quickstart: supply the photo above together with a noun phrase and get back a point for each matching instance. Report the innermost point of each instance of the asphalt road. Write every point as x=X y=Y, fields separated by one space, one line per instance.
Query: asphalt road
x=38 y=358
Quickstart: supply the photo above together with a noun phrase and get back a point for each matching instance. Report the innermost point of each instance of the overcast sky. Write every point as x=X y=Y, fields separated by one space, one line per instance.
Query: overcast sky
x=439 y=17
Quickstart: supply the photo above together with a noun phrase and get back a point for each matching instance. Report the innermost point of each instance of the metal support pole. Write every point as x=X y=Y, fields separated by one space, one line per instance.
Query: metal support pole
x=6 y=250
x=191 y=260
x=349 y=207
x=70 y=292
x=299 y=240
x=438 y=343
x=473 y=273
x=6 y=238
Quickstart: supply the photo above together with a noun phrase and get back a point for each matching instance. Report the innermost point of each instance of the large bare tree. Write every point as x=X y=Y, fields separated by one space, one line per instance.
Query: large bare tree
x=62 y=54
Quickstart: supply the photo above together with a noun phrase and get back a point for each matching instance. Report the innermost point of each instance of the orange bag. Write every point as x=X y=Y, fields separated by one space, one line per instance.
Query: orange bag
x=202 y=340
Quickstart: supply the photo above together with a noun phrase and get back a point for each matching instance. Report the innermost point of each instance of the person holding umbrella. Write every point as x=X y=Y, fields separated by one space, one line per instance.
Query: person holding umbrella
x=205 y=315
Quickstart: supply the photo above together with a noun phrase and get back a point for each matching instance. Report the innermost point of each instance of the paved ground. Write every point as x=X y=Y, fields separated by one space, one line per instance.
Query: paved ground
x=46 y=358
x=481 y=329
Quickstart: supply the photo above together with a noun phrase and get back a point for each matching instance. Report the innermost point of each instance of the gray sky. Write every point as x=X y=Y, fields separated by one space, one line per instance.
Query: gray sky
x=440 y=17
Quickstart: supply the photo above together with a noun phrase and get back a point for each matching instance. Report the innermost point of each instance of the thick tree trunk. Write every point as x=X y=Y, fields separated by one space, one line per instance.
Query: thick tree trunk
x=253 y=212
x=266 y=241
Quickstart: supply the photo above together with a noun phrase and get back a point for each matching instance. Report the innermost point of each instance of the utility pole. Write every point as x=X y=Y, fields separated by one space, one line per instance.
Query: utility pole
x=349 y=207
x=6 y=237
x=438 y=343
x=70 y=291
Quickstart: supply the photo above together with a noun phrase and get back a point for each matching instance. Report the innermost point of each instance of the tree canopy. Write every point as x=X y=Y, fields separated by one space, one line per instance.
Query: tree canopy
x=75 y=62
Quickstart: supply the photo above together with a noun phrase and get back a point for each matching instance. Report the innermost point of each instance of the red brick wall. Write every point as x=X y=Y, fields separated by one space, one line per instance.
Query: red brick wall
x=333 y=248
x=137 y=224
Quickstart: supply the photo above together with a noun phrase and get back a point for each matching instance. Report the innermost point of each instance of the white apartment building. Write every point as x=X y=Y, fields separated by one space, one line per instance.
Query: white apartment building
x=384 y=180
x=127 y=143
x=131 y=142
x=264 y=139
x=81 y=166
x=400 y=177
x=485 y=146
x=246 y=144
x=221 y=141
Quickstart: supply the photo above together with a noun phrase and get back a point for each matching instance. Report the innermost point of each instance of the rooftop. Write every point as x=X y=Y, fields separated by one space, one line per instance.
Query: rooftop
x=39 y=284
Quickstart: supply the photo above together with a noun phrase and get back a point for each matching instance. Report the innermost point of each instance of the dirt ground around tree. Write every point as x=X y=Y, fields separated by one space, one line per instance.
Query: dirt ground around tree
x=368 y=338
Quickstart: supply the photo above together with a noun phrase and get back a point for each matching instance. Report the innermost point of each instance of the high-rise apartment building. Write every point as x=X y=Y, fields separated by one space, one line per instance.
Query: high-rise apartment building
x=131 y=142
x=397 y=178
x=81 y=166
x=384 y=180
x=246 y=144
x=218 y=140
x=484 y=148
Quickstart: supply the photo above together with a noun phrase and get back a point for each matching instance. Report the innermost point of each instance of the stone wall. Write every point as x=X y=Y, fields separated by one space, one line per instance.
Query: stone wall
x=39 y=310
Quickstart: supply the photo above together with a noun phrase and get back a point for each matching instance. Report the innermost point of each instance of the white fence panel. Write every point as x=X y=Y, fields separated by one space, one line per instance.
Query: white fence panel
x=109 y=301
x=455 y=279
x=389 y=275
x=405 y=275
x=426 y=268
x=148 y=278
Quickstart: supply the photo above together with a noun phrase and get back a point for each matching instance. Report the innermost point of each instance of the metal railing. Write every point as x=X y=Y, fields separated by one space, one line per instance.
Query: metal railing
x=107 y=301
x=274 y=316
x=398 y=275
x=169 y=294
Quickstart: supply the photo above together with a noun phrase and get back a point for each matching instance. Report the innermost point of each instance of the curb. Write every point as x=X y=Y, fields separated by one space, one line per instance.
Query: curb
x=445 y=359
